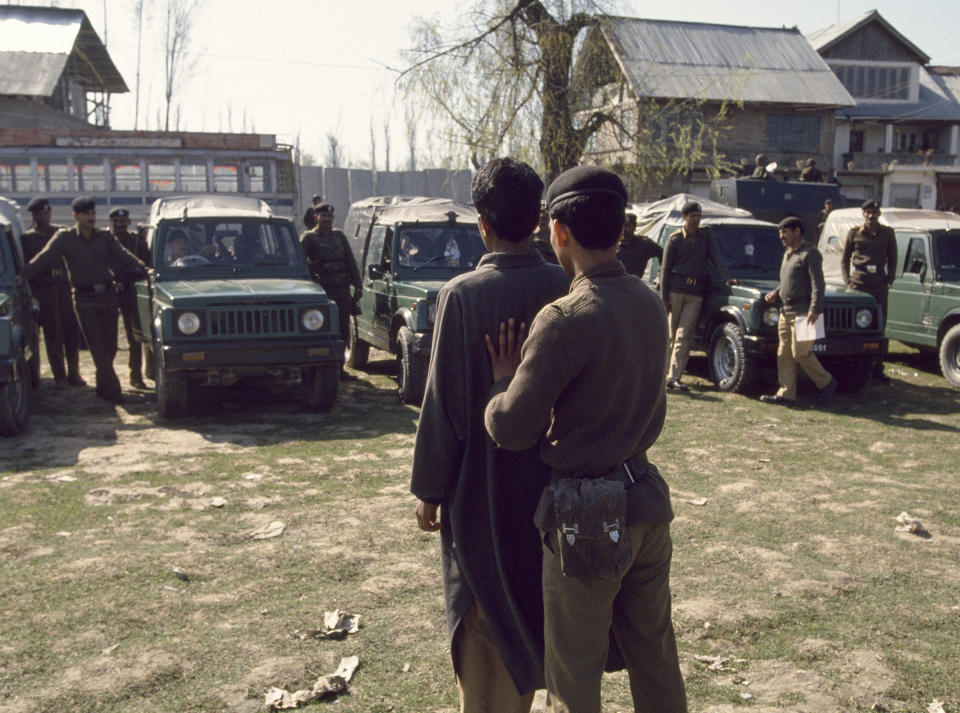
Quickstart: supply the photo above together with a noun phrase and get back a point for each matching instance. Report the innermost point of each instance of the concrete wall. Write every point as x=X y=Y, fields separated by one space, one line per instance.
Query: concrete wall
x=343 y=186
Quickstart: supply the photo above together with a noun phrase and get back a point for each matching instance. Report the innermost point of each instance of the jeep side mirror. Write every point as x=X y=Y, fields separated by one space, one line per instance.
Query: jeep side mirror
x=375 y=271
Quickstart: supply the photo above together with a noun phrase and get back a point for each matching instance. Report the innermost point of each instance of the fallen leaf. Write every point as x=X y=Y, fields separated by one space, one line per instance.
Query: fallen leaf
x=696 y=501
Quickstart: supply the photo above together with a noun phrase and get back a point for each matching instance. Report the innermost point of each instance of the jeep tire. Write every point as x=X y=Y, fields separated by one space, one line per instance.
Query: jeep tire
x=950 y=356
x=320 y=385
x=171 y=391
x=34 y=365
x=411 y=369
x=357 y=350
x=15 y=401
x=731 y=367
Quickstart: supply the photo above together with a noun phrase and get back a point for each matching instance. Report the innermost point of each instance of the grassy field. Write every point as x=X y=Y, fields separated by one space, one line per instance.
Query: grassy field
x=792 y=590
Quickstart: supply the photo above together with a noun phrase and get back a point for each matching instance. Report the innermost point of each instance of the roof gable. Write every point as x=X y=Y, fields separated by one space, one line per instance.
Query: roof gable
x=860 y=37
x=680 y=60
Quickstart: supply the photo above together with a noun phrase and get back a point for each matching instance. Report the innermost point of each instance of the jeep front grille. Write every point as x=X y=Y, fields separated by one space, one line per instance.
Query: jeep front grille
x=252 y=321
x=839 y=319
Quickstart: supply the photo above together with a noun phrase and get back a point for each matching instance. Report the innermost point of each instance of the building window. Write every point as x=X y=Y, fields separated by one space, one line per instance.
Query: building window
x=54 y=177
x=789 y=132
x=874 y=82
x=226 y=178
x=193 y=177
x=92 y=176
x=126 y=177
x=160 y=177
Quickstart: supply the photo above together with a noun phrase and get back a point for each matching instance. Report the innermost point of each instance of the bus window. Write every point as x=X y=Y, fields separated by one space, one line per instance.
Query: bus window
x=160 y=176
x=258 y=174
x=15 y=175
x=92 y=177
x=193 y=177
x=225 y=178
x=54 y=176
x=126 y=177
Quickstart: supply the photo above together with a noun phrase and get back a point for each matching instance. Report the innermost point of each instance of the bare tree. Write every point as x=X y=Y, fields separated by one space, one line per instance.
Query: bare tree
x=373 y=147
x=138 y=17
x=178 y=60
x=410 y=120
x=334 y=157
x=386 y=142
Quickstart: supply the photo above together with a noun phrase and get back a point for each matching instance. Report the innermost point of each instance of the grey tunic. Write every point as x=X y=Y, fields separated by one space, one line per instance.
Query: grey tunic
x=490 y=548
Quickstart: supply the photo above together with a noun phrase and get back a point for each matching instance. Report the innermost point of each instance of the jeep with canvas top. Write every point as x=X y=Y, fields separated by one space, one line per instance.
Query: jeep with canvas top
x=19 y=353
x=924 y=301
x=406 y=248
x=737 y=327
x=230 y=298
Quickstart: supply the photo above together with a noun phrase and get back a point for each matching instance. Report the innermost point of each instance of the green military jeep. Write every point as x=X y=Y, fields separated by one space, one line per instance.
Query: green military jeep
x=737 y=327
x=406 y=248
x=230 y=298
x=924 y=301
x=19 y=353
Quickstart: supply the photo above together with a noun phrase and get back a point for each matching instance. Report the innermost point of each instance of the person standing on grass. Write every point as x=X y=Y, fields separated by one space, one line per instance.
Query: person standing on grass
x=800 y=294
x=136 y=244
x=568 y=393
x=490 y=549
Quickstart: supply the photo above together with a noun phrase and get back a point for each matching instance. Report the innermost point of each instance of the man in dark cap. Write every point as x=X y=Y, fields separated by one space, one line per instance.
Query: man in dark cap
x=135 y=243
x=61 y=333
x=332 y=265
x=683 y=283
x=810 y=172
x=594 y=420
x=869 y=264
x=95 y=261
x=490 y=548
x=822 y=216
x=760 y=168
x=634 y=251
x=800 y=294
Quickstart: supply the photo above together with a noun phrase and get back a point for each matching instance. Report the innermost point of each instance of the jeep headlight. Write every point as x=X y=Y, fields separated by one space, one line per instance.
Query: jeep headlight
x=771 y=316
x=188 y=323
x=312 y=320
x=864 y=318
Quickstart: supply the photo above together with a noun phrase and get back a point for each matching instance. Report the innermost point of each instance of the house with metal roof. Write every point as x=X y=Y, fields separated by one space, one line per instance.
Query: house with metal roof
x=54 y=70
x=899 y=143
x=779 y=96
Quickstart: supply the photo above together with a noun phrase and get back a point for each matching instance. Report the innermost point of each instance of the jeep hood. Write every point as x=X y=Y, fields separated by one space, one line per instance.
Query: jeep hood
x=239 y=290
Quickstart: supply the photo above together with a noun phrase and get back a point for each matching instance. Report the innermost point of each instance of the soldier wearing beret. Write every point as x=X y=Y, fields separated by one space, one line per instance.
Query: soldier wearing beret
x=332 y=265
x=95 y=261
x=683 y=283
x=568 y=392
x=135 y=243
x=635 y=251
x=800 y=294
x=61 y=333
x=869 y=264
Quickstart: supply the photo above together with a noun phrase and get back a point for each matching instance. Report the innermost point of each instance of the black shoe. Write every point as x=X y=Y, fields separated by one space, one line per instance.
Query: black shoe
x=776 y=399
x=826 y=393
x=347 y=376
x=114 y=398
x=677 y=385
x=138 y=384
x=76 y=380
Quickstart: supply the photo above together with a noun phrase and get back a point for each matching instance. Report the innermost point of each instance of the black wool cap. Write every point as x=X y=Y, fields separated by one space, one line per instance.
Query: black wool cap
x=119 y=213
x=585 y=181
x=83 y=204
x=691 y=207
x=323 y=208
x=36 y=204
x=791 y=221
x=870 y=205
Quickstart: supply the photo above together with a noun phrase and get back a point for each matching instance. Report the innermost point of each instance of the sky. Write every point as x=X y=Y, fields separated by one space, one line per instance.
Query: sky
x=301 y=69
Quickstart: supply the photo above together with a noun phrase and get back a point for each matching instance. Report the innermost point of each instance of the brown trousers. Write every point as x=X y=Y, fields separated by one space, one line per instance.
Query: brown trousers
x=483 y=681
x=790 y=352
x=61 y=332
x=684 y=312
x=579 y=615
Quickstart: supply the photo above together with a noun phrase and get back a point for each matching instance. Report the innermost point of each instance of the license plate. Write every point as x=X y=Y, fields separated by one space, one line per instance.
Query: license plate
x=818 y=348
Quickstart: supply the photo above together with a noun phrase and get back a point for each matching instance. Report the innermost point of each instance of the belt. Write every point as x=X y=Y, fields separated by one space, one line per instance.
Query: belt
x=94 y=289
x=628 y=471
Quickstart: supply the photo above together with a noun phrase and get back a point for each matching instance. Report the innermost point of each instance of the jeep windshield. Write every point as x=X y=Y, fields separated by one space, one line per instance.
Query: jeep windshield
x=946 y=252
x=237 y=244
x=426 y=248
x=750 y=251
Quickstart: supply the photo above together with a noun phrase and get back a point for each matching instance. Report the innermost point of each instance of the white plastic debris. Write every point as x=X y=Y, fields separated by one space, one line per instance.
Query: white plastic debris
x=218 y=502
x=274 y=529
x=908 y=523
x=325 y=687
x=935 y=707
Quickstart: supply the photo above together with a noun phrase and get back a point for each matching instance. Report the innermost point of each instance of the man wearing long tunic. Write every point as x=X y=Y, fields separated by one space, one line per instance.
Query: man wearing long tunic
x=490 y=548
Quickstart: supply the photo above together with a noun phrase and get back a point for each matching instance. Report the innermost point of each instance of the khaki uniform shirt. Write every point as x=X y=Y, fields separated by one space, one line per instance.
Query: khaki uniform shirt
x=330 y=258
x=685 y=259
x=35 y=240
x=869 y=260
x=100 y=259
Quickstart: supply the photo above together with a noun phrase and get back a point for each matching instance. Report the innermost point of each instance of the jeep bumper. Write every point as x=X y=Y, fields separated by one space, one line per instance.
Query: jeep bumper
x=250 y=359
x=829 y=346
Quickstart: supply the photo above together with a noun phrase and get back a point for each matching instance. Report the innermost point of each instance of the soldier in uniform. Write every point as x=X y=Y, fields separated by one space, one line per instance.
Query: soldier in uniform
x=822 y=216
x=61 y=333
x=635 y=251
x=810 y=172
x=135 y=243
x=760 y=168
x=800 y=294
x=332 y=265
x=683 y=283
x=95 y=261
x=869 y=264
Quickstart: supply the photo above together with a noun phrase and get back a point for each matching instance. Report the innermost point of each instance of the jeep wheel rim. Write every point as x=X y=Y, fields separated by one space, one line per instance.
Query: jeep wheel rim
x=725 y=360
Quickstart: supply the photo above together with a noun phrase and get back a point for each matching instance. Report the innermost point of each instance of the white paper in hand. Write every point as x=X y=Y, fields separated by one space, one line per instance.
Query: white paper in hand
x=807 y=332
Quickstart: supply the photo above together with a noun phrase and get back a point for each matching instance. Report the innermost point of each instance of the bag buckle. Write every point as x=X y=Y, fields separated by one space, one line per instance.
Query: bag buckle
x=570 y=532
x=612 y=529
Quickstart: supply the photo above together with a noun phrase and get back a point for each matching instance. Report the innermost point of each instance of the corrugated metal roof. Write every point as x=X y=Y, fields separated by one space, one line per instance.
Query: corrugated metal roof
x=722 y=62
x=24 y=113
x=829 y=36
x=36 y=44
x=937 y=101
